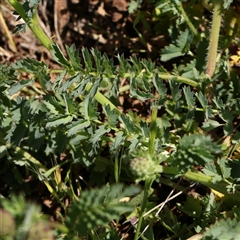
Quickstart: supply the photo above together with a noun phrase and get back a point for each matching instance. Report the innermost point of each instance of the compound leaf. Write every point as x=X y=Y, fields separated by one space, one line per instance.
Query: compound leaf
x=98 y=207
x=58 y=121
x=59 y=57
x=75 y=127
x=179 y=48
x=73 y=55
x=18 y=86
x=189 y=95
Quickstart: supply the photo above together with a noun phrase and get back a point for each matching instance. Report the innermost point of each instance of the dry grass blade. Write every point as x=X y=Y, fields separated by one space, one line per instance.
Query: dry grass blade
x=11 y=43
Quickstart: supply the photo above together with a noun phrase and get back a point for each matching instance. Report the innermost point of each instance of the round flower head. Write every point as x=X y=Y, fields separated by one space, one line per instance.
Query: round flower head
x=142 y=167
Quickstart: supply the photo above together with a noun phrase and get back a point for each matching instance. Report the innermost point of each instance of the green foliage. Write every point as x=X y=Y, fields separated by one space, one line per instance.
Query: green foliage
x=192 y=207
x=98 y=207
x=73 y=133
x=7 y=224
x=195 y=150
x=227 y=3
x=224 y=229
x=133 y=6
x=142 y=166
x=179 y=48
x=21 y=220
x=29 y=8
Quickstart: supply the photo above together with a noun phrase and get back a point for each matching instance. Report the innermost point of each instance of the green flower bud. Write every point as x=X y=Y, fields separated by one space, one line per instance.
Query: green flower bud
x=41 y=231
x=7 y=223
x=142 y=167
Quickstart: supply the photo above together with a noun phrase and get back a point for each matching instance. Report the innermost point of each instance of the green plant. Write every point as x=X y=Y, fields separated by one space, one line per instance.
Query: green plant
x=74 y=126
x=21 y=220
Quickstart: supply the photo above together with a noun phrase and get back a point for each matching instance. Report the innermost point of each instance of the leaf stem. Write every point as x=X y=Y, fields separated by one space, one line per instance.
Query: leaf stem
x=30 y=159
x=202 y=178
x=179 y=79
x=195 y=176
x=19 y=9
x=164 y=77
x=27 y=156
x=214 y=37
x=39 y=33
x=102 y=99
x=32 y=24
x=189 y=23
x=148 y=184
x=153 y=129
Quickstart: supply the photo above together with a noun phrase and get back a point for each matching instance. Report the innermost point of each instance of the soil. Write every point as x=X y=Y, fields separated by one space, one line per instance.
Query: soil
x=103 y=24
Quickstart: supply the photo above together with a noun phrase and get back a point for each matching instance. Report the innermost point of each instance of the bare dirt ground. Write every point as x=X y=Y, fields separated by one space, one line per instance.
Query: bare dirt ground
x=102 y=24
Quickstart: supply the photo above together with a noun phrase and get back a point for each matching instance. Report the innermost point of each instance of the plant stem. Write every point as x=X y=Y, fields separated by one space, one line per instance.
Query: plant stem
x=189 y=23
x=39 y=33
x=148 y=184
x=102 y=99
x=164 y=76
x=207 y=5
x=26 y=155
x=216 y=111
x=179 y=79
x=117 y=164
x=19 y=9
x=202 y=178
x=153 y=129
x=124 y=88
x=30 y=159
x=214 y=37
x=32 y=24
